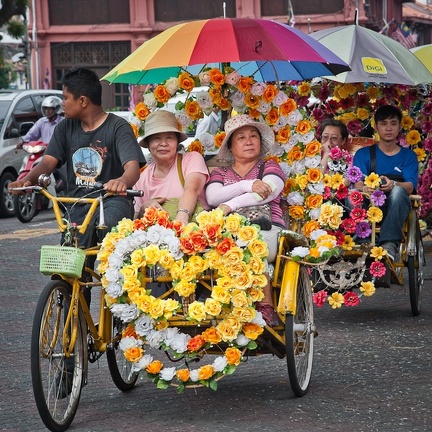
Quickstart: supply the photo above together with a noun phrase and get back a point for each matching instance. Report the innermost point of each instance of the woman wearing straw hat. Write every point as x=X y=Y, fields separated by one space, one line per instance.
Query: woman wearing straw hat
x=167 y=176
x=239 y=185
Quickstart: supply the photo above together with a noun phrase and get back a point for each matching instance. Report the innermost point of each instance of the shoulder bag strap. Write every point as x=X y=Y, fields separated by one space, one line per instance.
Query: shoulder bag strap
x=179 y=169
x=372 y=150
x=261 y=170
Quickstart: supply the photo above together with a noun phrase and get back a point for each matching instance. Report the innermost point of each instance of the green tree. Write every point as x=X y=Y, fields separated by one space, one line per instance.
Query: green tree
x=9 y=9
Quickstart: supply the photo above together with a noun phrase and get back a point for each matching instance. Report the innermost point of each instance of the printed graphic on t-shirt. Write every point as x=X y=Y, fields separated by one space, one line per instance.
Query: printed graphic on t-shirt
x=87 y=165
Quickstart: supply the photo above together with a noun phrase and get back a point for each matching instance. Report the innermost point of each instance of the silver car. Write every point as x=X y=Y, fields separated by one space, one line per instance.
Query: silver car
x=19 y=110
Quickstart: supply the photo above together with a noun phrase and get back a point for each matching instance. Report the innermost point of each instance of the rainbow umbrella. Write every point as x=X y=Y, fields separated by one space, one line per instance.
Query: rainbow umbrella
x=268 y=50
x=373 y=57
x=424 y=54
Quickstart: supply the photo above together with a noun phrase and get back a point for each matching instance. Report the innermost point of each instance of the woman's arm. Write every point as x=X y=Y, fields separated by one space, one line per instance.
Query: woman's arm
x=217 y=193
x=194 y=184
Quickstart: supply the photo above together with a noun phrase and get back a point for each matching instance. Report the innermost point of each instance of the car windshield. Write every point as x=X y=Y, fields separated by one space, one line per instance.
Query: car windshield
x=4 y=106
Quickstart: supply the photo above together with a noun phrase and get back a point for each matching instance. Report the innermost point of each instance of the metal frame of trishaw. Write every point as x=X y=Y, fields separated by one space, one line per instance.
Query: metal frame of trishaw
x=65 y=337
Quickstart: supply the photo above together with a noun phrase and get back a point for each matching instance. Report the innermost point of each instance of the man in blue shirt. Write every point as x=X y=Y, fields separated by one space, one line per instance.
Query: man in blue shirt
x=398 y=168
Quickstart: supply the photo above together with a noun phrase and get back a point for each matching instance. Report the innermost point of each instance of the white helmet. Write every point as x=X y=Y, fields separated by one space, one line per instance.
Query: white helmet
x=52 y=102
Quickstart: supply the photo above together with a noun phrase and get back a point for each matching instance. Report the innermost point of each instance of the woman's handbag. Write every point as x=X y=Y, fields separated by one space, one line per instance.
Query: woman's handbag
x=171 y=204
x=258 y=214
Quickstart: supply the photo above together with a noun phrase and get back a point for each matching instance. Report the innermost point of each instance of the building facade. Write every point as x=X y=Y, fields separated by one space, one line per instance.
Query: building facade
x=98 y=34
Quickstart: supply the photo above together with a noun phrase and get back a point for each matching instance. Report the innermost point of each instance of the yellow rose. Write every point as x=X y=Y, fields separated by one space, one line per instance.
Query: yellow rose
x=244 y=280
x=176 y=269
x=258 y=248
x=212 y=307
x=224 y=282
x=152 y=254
x=257 y=265
x=229 y=328
x=129 y=272
x=185 y=288
x=183 y=374
x=244 y=314
x=259 y=281
x=255 y=294
x=197 y=311
x=137 y=258
x=154 y=367
x=187 y=273
x=247 y=233
x=237 y=269
x=156 y=308
x=170 y=305
x=240 y=299
x=165 y=259
x=213 y=259
x=221 y=295
x=302 y=181
x=407 y=122
x=232 y=223
x=131 y=285
x=362 y=114
x=197 y=263
x=334 y=222
x=125 y=226
x=296 y=211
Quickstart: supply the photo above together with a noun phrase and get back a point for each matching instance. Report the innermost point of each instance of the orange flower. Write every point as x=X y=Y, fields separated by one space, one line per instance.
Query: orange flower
x=272 y=117
x=213 y=233
x=270 y=93
x=141 y=110
x=314 y=252
x=296 y=212
x=129 y=331
x=219 y=137
x=183 y=374
x=303 y=127
x=205 y=372
x=233 y=356
x=150 y=215
x=245 y=84
x=288 y=107
x=198 y=239
x=295 y=154
x=314 y=201
x=224 y=104
x=314 y=175
x=310 y=226
x=193 y=110
x=135 y=130
x=255 y=114
x=195 y=343
x=211 y=336
x=304 y=89
x=283 y=135
x=290 y=184
x=163 y=219
x=252 y=330
x=161 y=94
x=313 y=148
x=252 y=101
x=216 y=76
x=413 y=137
x=154 y=367
x=133 y=354
x=196 y=146
x=186 y=81
x=225 y=245
x=215 y=95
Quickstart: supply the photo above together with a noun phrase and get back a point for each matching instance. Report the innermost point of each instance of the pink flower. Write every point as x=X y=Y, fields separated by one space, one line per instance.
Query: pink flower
x=320 y=298
x=351 y=299
x=335 y=153
x=377 y=269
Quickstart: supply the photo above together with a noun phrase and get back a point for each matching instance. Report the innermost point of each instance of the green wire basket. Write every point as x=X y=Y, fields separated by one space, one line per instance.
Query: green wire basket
x=67 y=261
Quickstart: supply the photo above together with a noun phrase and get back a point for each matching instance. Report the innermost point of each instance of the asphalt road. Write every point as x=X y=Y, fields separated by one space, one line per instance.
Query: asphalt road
x=372 y=368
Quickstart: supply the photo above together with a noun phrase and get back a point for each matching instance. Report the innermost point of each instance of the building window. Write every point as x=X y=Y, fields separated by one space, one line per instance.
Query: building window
x=82 y=12
x=189 y=10
x=301 y=7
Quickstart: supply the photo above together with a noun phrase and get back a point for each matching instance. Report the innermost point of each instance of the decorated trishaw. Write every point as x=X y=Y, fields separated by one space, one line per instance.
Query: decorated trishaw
x=178 y=302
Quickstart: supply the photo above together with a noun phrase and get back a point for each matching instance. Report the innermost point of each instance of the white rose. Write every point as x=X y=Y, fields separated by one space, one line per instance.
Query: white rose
x=294 y=118
x=241 y=340
x=204 y=78
x=258 y=88
x=114 y=289
x=300 y=251
x=183 y=119
x=295 y=198
x=312 y=161
x=277 y=150
x=280 y=98
x=204 y=100
x=150 y=101
x=122 y=247
x=286 y=168
x=125 y=312
x=316 y=188
x=237 y=101
x=115 y=260
x=129 y=342
x=172 y=85
x=314 y=213
x=143 y=325
x=154 y=338
x=308 y=137
x=298 y=167
x=207 y=141
x=154 y=234
x=142 y=363
x=316 y=234
x=220 y=363
x=179 y=343
x=193 y=375
x=232 y=78
x=169 y=335
x=264 y=107
x=112 y=275
x=259 y=319
x=167 y=374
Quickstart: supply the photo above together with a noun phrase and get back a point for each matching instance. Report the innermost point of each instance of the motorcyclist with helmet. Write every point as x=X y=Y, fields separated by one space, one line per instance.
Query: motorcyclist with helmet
x=43 y=129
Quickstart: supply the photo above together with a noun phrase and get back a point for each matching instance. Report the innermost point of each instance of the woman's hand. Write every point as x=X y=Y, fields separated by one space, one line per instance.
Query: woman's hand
x=155 y=202
x=261 y=188
x=225 y=208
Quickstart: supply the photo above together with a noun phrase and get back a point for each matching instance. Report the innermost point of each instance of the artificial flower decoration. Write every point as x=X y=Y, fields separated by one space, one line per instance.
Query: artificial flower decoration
x=224 y=245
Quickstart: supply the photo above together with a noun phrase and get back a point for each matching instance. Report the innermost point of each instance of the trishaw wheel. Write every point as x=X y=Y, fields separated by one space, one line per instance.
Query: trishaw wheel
x=120 y=369
x=57 y=379
x=299 y=337
x=415 y=275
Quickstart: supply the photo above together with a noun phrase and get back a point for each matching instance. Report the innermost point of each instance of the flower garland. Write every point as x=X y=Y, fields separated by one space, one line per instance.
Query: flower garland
x=228 y=245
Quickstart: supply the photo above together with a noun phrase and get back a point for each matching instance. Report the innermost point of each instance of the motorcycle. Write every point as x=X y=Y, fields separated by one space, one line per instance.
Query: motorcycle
x=28 y=205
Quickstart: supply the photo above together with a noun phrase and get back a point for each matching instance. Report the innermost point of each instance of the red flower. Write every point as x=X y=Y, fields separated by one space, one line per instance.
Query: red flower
x=377 y=269
x=320 y=298
x=340 y=236
x=327 y=193
x=342 y=192
x=349 y=225
x=356 y=198
x=358 y=214
x=351 y=299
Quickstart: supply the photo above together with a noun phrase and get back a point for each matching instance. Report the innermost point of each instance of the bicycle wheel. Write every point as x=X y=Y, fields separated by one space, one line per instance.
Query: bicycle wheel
x=415 y=274
x=120 y=369
x=299 y=337
x=57 y=379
